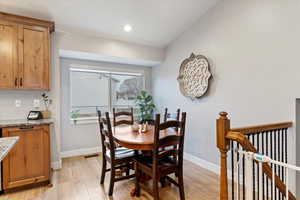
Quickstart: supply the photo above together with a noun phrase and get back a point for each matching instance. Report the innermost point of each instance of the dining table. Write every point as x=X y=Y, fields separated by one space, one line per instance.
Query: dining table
x=139 y=141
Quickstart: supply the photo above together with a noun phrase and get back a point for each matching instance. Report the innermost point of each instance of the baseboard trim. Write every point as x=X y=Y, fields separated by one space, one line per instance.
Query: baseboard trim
x=86 y=151
x=80 y=152
x=56 y=165
x=202 y=163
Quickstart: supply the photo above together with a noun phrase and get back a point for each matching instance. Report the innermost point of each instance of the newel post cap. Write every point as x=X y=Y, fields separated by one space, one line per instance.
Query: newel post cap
x=223 y=115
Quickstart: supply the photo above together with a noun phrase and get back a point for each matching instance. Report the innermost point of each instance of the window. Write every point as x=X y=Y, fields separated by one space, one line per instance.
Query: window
x=124 y=89
x=93 y=90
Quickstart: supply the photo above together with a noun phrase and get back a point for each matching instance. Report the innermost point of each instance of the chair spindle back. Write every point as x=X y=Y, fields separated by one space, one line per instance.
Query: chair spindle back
x=106 y=134
x=126 y=114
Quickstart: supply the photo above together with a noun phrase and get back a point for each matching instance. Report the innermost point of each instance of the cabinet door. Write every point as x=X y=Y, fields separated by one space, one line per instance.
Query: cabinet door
x=8 y=54
x=29 y=160
x=34 y=57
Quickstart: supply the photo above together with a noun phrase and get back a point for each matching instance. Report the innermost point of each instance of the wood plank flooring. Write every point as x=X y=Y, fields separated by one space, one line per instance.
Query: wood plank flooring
x=79 y=180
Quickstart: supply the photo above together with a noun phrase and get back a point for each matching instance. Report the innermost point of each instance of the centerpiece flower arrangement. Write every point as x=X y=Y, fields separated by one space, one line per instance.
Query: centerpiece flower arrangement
x=46 y=113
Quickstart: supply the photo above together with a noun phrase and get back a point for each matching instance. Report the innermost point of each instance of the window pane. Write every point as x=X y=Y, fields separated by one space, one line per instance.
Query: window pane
x=124 y=89
x=89 y=91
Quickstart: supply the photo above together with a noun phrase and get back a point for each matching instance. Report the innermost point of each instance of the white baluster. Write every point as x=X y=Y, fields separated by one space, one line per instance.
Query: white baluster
x=273 y=181
x=287 y=183
x=261 y=194
x=248 y=176
x=237 y=179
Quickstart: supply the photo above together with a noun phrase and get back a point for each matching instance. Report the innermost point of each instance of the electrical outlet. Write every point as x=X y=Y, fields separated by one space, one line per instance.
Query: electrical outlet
x=36 y=103
x=18 y=103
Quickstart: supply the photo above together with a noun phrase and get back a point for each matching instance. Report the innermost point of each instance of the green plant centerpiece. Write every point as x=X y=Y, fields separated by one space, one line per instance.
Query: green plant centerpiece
x=144 y=102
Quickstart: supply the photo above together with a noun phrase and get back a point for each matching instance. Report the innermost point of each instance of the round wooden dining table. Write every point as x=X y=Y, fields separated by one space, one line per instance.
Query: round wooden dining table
x=135 y=140
x=126 y=137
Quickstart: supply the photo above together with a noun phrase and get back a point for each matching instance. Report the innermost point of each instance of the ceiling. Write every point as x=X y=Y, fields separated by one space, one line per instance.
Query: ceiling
x=154 y=22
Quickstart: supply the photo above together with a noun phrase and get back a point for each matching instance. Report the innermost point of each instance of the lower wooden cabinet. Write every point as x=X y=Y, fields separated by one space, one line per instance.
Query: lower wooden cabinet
x=29 y=160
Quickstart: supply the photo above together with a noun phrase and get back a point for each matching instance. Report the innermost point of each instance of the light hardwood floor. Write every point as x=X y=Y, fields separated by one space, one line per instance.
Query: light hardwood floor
x=79 y=180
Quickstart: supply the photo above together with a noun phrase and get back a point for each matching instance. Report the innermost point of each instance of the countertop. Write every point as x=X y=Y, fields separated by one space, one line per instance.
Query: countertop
x=24 y=122
x=6 y=144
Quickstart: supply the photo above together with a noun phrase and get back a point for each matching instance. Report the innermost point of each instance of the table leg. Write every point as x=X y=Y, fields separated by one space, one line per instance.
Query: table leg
x=143 y=177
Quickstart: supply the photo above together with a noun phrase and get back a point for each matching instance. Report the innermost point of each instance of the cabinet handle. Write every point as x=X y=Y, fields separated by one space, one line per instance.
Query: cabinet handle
x=26 y=127
x=21 y=82
x=16 y=82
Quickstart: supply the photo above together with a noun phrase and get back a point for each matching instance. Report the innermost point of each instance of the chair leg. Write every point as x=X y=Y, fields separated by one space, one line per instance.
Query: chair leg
x=112 y=180
x=103 y=171
x=181 y=185
x=128 y=170
x=163 y=182
x=137 y=182
x=155 y=189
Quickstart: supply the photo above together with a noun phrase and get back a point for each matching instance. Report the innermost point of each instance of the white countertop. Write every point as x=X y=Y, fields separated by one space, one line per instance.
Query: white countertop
x=6 y=144
x=24 y=122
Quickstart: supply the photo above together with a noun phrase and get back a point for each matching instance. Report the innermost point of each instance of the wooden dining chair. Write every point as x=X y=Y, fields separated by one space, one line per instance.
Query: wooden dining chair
x=123 y=114
x=161 y=165
x=167 y=115
x=118 y=157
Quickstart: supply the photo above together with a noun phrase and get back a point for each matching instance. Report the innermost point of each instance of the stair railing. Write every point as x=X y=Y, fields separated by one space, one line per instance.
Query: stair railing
x=268 y=139
x=260 y=159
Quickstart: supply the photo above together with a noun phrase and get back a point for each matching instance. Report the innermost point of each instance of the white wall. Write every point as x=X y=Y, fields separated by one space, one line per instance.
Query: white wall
x=253 y=47
x=75 y=43
x=85 y=137
x=109 y=47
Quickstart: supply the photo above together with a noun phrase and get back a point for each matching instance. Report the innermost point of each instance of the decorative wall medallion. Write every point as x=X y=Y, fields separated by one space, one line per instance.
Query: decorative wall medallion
x=193 y=76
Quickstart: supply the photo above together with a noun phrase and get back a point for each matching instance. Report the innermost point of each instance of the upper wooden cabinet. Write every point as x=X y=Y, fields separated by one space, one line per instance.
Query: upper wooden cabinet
x=35 y=61
x=24 y=52
x=8 y=54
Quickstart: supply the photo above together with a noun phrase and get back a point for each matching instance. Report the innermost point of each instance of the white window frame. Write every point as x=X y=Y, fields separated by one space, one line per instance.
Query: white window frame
x=75 y=68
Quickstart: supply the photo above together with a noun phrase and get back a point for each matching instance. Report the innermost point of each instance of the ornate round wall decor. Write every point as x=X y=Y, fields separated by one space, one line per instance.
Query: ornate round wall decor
x=194 y=76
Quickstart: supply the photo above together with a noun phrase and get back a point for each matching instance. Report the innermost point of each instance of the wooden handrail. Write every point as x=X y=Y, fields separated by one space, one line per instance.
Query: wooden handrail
x=262 y=128
x=247 y=145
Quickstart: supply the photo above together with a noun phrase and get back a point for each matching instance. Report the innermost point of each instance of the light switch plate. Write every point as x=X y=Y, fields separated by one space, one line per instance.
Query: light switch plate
x=18 y=103
x=36 y=103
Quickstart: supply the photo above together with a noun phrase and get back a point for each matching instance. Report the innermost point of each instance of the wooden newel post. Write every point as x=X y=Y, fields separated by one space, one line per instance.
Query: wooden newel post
x=223 y=126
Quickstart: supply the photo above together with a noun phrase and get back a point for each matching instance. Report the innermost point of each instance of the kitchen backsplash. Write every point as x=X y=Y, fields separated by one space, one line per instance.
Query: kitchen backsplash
x=8 y=108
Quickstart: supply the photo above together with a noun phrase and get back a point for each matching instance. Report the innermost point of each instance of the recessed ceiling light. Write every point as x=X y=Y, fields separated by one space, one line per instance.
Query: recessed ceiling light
x=127 y=28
